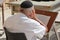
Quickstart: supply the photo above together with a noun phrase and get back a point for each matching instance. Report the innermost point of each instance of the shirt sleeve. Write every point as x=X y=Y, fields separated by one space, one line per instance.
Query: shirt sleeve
x=39 y=32
x=37 y=29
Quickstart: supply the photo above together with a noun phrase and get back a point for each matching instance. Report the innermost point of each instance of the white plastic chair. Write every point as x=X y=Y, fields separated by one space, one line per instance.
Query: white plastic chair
x=48 y=18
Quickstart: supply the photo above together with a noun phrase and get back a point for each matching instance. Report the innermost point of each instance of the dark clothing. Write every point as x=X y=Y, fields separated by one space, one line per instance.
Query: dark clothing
x=14 y=36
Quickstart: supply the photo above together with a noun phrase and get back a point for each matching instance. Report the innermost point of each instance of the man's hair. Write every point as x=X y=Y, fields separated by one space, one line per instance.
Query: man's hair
x=29 y=9
x=26 y=4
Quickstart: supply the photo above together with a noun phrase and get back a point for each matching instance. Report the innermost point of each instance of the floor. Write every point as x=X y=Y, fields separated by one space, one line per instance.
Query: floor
x=8 y=14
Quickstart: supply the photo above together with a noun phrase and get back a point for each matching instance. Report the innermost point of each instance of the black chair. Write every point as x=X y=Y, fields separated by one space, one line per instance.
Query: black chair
x=14 y=36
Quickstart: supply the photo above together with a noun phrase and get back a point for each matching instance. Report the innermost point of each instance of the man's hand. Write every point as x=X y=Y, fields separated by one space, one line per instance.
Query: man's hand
x=46 y=29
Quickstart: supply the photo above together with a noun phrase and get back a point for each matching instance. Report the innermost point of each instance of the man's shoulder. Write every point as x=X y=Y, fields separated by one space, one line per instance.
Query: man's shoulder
x=32 y=21
x=12 y=17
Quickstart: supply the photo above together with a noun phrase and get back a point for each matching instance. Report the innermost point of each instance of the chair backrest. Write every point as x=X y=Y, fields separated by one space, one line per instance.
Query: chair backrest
x=14 y=36
x=47 y=17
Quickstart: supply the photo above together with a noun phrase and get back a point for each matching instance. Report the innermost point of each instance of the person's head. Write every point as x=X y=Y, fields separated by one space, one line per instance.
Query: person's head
x=27 y=8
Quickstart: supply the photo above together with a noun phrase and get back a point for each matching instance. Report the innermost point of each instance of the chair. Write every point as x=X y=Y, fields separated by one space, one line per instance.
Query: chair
x=14 y=36
x=48 y=19
x=2 y=6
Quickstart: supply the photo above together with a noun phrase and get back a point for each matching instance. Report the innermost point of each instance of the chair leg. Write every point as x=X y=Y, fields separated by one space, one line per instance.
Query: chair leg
x=2 y=14
x=48 y=37
x=56 y=34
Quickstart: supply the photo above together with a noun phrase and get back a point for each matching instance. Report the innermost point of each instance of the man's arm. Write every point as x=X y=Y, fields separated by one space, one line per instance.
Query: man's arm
x=35 y=18
x=40 y=32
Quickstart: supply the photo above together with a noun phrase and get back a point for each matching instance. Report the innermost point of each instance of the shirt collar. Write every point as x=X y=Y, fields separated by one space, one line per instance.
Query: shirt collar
x=22 y=14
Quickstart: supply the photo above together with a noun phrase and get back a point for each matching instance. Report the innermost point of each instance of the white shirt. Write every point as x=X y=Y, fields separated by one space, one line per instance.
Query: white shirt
x=21 y=23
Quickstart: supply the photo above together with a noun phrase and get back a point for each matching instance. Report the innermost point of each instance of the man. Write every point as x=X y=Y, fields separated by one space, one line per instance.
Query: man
x=26 y=22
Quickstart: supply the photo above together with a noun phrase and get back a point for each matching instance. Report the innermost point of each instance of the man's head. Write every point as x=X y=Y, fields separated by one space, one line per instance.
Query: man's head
x=28 y=8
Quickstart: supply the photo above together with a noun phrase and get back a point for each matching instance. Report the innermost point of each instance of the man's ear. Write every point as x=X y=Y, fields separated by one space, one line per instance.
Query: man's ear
x=21 y=10
x=33 y=11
